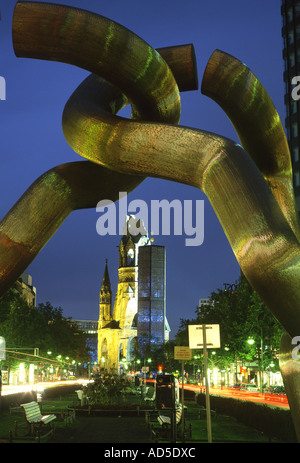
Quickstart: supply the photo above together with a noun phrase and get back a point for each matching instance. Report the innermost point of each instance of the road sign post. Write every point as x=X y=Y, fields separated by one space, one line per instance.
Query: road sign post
x=207 y=399
x=182 y=353
x=205 y=336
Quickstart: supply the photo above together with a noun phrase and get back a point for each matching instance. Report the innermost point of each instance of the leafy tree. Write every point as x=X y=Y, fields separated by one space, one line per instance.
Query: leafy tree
x=42 y=327
x=63 y=337
x=241 y=314
x=107 y=390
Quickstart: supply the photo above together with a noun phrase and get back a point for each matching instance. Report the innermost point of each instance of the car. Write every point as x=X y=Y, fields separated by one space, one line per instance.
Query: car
x=236 y=386
x=275 y=390
x=250 y=387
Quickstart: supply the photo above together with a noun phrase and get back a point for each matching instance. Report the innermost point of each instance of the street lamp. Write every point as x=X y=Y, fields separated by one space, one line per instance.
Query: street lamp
x=251 y=341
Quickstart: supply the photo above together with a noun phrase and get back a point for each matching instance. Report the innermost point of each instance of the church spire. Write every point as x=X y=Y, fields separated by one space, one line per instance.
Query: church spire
x=106 y=281
x=105 y=297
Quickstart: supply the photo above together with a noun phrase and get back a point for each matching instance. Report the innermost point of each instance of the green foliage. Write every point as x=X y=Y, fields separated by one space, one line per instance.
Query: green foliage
x=42 y=327
x=241 y=314
x=272 y=421
x=108 y=390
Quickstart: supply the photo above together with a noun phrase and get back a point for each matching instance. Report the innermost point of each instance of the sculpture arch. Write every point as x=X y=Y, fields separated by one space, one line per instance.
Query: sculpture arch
x=250 y=188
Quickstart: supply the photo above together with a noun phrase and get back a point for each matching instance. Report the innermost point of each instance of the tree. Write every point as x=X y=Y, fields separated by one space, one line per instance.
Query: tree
x=42 y=327
x=240 y=313
x=63 y=337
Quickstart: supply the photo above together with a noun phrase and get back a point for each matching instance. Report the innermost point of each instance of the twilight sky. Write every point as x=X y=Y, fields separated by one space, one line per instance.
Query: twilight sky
x=69 y=270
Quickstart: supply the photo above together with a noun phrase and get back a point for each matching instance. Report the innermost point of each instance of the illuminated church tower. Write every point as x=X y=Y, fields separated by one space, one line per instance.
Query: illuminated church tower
x=117 y=330
x=138 y=317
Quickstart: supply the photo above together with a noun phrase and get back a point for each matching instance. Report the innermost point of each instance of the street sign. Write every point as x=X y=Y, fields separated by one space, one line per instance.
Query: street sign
x=212 y=336
x=204 y=337
x=2 y=348
x=182 y=353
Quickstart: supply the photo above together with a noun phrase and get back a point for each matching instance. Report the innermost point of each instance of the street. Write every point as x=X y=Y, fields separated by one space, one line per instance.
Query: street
x=276 y=400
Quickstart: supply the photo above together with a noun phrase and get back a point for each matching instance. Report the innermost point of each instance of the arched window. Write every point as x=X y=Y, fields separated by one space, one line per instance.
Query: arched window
x=130 y=257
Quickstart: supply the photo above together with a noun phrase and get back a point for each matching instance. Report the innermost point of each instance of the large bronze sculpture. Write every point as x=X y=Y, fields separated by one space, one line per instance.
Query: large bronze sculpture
x=249 y=186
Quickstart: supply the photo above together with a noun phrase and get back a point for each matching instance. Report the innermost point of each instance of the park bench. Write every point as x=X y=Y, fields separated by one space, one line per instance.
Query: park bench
x=151 y=399
x=166 y=420
x=35 y=419
x=83 y=399
x=165 y=423
x=145 y=390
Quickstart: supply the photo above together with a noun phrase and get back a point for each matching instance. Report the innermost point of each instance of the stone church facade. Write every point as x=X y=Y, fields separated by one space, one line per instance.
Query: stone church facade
x=118 y=321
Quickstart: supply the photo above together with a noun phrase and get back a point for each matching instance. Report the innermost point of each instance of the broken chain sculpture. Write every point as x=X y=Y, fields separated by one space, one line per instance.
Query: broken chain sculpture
x=250 y=186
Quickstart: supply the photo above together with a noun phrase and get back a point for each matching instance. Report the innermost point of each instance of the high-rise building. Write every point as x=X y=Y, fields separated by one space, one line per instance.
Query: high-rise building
x=290 y=11
x=151 y=295
x=25 y=287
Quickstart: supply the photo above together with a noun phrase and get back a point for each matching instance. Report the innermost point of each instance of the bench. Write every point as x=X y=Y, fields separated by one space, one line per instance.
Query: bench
x=83 y=399
x=151 y=399
x=35 y=418
x=166 y=420
x=142 y=389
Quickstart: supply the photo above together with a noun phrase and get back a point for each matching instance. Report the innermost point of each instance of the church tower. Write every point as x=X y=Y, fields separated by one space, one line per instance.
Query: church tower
x=105 y=298
x=117 y=328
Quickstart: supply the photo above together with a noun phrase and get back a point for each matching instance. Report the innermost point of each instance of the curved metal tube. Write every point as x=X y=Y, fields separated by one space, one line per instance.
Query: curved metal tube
x=249 y=107
x=259 y=234
x=103 y=47
x=34 y=219
x=251 y=192
x=41 y=210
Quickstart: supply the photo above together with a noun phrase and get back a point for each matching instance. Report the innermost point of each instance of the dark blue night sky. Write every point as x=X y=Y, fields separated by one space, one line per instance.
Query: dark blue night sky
x=69 y=270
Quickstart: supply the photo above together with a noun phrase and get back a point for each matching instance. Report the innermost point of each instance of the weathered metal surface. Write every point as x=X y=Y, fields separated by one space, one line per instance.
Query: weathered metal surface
x=263 y=241
x=38 y=214
x=103 y=47
x=250 y=109
x=44 y=206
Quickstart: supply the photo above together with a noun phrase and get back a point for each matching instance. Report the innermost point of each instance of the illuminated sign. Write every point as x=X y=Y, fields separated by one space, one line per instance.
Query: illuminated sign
x=196 y=336
x=2 y=348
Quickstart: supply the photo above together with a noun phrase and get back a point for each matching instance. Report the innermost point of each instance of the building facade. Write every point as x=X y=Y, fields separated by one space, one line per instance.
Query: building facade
x=290 y=12
x=25 y=287
x=151 y=295
x=90 y=330
x=118 y=326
